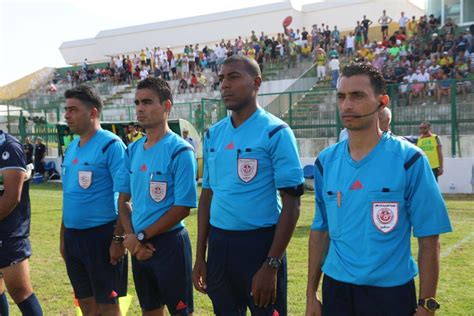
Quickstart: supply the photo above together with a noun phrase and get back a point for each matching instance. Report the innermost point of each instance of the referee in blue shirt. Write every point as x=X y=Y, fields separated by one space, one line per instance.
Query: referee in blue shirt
x=91 y=242
x=158 y=178
x=372 y=191
x=249 y=203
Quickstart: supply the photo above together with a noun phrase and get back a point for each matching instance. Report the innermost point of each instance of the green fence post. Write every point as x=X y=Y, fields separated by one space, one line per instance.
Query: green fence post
x=454 y=121
x=291 y=108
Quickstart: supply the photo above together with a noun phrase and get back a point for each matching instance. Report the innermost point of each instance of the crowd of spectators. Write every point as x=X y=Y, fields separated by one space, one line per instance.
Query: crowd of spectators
x=422 y=56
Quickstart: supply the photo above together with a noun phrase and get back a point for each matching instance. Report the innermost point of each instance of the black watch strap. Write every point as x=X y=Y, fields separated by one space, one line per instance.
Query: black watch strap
x=118 y=238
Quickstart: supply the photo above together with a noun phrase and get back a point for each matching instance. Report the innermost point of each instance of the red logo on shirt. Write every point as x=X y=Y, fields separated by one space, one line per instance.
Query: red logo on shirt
x=181 y=305
x=275 y=313
x=143 y=168
x=113 y=294
x=356 y=186
x=75 y=161
x=230 y=146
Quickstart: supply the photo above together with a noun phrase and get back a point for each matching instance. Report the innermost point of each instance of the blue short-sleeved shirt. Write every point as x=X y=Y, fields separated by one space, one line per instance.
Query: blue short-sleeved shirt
x=370 y=207
x=158 y=178
x=245 y=166
x=88 y=174
x=12 y=156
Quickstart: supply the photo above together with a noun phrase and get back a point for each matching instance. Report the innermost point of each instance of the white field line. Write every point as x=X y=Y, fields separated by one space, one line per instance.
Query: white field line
x=448 y=250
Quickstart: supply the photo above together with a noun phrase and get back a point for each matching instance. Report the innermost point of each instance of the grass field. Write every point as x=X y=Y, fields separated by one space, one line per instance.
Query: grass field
x=52 y=286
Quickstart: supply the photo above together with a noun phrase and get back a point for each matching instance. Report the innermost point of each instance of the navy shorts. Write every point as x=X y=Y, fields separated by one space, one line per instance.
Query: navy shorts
x=232 y=261
x=88 y=264
x=341 y=298
x=165 y=278
x=14 y=250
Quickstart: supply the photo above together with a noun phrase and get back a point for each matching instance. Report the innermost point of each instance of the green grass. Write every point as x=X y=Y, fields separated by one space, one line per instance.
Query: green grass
x=51 y=283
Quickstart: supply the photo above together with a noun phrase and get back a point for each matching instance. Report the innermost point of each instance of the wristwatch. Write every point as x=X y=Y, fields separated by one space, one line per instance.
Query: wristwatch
x=118 y=238
x=141 y=237
x=274 y=262
x=430 y=304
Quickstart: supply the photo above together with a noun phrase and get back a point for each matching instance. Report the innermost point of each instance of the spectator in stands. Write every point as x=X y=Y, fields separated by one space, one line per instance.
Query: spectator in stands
x=334 y=68
x=201 y=82
x=384 y=21
x=193 y=83
x=182 y=85
x=350 y=45
x=321 y=61
x=358 y=31
x=166 y=70
x=444 y=87
x=187 y=138
x=366 y=24
x=335 y=35
x=403 y=21
x=412 y=27
x=449 y=27
x=144 y=74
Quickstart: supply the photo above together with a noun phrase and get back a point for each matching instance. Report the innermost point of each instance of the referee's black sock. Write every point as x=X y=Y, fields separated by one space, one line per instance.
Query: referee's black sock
x=30 y=306
x=3 y=305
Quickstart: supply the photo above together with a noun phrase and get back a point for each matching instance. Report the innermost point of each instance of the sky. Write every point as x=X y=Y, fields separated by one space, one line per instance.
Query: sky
x=31 y=31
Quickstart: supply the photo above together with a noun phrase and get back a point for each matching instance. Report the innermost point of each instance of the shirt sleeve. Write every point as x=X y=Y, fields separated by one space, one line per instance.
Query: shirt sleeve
x=285 y=158
x=205 y=175
x=184 y=170
x=425 y=204
x=12 y=157
x=115 y=155
x=320 y=222
x=122 y=178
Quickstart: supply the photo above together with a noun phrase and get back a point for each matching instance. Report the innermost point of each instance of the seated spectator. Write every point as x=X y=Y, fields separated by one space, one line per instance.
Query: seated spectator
x=432 y=87
x=194 y=83
x=202 y=82
x=182 y=85
x=444 y=87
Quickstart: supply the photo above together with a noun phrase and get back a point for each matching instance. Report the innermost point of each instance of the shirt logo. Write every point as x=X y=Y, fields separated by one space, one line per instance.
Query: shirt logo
x=158 y=190
x=85 y=179
x=247 y=169
x=356 y=186
x=181 y=305
x=75 y=161
x=385 y=215
x=143 y=167
x=230 y=146
x=5 y=155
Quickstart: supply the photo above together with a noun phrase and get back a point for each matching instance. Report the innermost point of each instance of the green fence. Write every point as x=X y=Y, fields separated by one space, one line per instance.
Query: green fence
x=311 y=113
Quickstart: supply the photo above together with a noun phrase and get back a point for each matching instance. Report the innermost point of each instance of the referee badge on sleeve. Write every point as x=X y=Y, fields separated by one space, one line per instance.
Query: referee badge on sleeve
x=247 y=169
x=385 y=215
x=158 y=190
x=85 y=179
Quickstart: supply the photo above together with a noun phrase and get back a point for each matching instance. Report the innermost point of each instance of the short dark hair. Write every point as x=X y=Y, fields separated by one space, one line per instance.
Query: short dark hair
x=86 y=95
x=250 y=64
x=376 y=79
x=426 y=123
x=157 y=85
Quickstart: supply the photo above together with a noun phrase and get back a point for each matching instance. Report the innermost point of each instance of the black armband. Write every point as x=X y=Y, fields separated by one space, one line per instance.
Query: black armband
x=294 y=191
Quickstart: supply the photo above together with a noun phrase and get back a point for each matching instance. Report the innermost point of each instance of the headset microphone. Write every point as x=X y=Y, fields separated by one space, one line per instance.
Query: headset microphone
x=369 y=114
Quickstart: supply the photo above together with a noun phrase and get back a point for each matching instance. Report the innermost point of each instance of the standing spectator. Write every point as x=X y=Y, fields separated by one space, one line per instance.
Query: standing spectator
x=40 y=154
x=15 y=216
x=384 y=21
x=29 y=149
x=363 y=217
x=304 y=36
x=314 y=37
x=449 y=27
x=358 y=31
x=403 y=21
x=335 y=35
x=182 y=85
x=166 y=70
x=164 y=164
x=91 y=237
x=67 y=139
x=350 y=44
x=366 y=24
x=321 y=61
x=431 y=144
x=412 y=27
x=334 y=68
x=251 y=170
